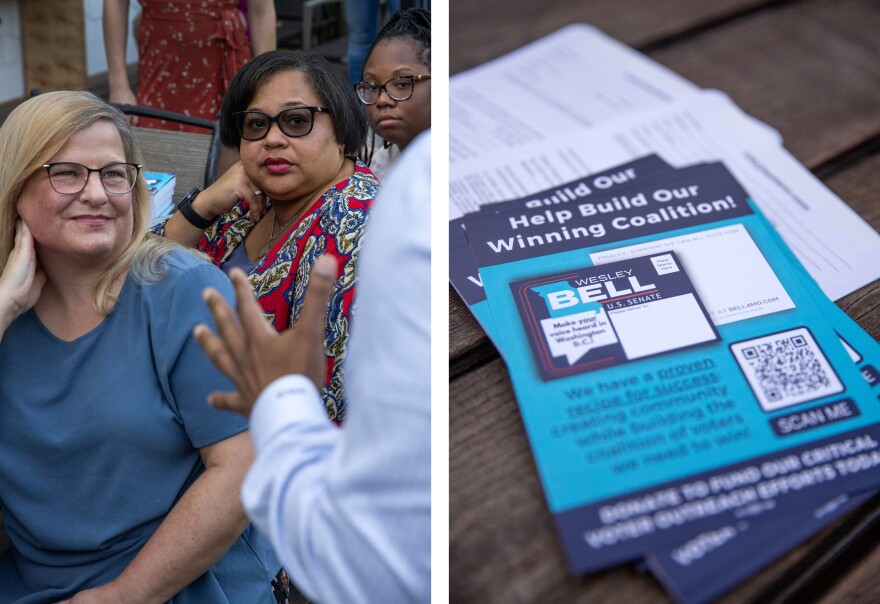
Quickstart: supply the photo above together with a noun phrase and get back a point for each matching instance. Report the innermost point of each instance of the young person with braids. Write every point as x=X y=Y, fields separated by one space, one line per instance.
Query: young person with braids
x=396 y=85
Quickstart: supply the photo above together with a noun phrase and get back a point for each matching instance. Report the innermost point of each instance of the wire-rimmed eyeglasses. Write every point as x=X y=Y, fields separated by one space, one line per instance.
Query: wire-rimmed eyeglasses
x=69 y=178
x=399 y=89
x=295 y=122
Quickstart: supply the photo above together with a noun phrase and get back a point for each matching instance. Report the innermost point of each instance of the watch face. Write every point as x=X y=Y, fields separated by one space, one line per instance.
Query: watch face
x=187 y=199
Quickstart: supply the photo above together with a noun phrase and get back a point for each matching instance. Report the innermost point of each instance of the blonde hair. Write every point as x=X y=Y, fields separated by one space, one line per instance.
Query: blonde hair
x=32 y=134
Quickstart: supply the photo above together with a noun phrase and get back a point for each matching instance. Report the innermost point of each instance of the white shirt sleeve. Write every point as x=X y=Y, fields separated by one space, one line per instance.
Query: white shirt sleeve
x=348 y=509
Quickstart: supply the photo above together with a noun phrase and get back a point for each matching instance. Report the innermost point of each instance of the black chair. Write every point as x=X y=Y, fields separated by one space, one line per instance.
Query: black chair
x=192 y=157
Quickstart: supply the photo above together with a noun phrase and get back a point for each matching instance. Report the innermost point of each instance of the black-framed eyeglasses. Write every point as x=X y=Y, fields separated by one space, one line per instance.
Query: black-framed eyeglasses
x=399 y=89
x=69 y=178
x=295 y=122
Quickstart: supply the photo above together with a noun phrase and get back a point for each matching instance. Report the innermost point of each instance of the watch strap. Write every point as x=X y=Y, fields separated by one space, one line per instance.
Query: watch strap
x=193 y=217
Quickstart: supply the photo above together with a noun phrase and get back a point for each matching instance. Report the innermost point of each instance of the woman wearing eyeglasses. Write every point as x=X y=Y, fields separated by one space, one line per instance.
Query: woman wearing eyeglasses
x=298 y=128
x=118 y=482
x=396 y=86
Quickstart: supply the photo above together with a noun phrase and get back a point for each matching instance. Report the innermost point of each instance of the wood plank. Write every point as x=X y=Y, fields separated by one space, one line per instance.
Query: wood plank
x=475 y=26
x=808 y=69
x=861 y=583
x=502 y=543
x=465 y=334
x=53 y=44
x=858 y=186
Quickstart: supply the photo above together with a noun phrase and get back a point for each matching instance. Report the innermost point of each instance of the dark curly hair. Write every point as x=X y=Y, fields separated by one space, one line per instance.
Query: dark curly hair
x=349 y=123
x=412 y=24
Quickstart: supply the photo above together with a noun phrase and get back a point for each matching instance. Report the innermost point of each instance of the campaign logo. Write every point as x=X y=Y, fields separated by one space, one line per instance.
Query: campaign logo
x=600 y=316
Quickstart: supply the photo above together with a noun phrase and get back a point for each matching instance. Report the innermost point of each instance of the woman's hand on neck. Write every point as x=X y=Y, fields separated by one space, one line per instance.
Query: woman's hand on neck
x=22 y=280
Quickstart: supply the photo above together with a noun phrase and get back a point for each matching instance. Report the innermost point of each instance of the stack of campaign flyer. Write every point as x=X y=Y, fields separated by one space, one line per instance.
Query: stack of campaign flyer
x=694 y=400
x=691 y=395
x=161 y=186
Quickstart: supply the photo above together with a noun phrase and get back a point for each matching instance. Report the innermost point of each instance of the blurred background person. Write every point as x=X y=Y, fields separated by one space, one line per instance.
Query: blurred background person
x=362 y=19
x=188 y=53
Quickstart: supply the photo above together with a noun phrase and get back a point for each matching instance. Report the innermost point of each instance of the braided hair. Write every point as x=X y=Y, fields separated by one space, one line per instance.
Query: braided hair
x=413 y=24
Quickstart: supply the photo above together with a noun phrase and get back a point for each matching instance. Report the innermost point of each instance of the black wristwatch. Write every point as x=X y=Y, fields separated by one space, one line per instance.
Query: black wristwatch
x=185 y=207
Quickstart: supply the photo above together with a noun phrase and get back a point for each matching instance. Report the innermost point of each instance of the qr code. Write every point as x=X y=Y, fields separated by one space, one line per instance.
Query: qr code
x=786 y=368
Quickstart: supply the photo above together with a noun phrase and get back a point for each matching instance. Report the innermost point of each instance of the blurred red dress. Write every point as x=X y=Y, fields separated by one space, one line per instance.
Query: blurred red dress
x=189 y=50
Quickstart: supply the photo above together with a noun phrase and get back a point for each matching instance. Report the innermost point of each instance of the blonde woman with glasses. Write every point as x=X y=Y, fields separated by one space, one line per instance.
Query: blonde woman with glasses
x=118 y=482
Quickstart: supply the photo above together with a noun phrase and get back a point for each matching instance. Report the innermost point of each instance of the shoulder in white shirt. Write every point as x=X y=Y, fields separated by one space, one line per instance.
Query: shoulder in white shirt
x=348 y=509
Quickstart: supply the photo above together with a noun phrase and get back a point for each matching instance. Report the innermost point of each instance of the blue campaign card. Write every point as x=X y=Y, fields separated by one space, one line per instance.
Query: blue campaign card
x=597 y=316
x=701 y=568
x=634 y=455
x=758 y=553
x=463 y=272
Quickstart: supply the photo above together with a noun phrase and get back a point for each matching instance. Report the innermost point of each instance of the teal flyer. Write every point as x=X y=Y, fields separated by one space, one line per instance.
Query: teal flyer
x=673 y=365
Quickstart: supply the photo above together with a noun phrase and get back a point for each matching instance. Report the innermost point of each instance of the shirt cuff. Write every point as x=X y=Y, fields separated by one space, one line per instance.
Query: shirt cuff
x=289 y=399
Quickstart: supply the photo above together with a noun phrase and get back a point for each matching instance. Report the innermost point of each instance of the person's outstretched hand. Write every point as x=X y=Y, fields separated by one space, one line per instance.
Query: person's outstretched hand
x=249 y=351
x=22 y=280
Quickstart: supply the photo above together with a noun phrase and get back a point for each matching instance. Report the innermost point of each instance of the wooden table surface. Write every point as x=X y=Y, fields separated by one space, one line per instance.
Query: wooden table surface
x=811 y=69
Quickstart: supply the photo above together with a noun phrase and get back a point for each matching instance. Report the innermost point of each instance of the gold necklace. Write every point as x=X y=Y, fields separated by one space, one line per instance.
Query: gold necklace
x=273 y=235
